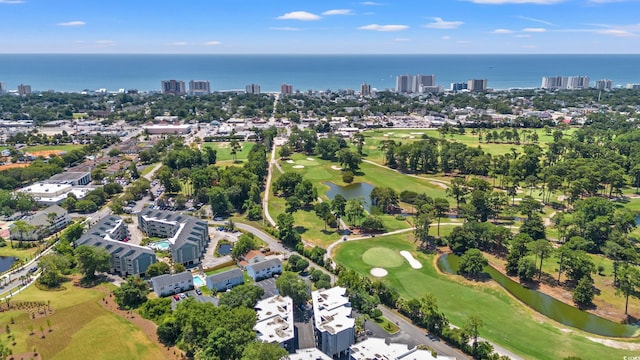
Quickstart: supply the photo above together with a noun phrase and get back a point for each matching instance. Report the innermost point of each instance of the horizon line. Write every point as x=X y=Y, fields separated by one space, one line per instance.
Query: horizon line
x=309 y=54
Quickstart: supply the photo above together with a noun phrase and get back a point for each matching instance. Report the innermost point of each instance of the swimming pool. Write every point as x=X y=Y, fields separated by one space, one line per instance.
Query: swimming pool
x=197 y=281
x=160 y=245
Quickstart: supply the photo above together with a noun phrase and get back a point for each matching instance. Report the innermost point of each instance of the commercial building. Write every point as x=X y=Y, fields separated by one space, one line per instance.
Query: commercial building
x=45 y=193
x=187 y=236
x=225 y=280
x=125 y=259
x=24 y=89
x=334 y=326
x=365 y=90
x=168 y=129
x=604 y=84
x=168 y=284
x=43 y=224
x=174 y=87
x=264 y=269
x=274 y=322
x=476 y=85
x=376 y=348
x=252 y=89
x=308 y=354
x=286 y=89
x=199 y=87
x=71 y=178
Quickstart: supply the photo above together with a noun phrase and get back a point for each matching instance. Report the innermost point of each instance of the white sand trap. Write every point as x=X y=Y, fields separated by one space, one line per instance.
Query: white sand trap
x=290 y=161
x=413 y=262
x=336 y=167
x=439 y=184
x=417 y=133
x=298 y=166
x=379 y=272
x=311 y=159
x=412 y=137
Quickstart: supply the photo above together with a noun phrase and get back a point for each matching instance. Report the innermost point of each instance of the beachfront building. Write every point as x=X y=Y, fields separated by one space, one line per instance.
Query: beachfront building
x=173 y=87
x=24 y=89
x=225 y=280
x=604 y=84
x=554 y=82
x=376 y=348
x=365 y=90
x=286 y=89
x=477 y=85
x=334 y=326
x=199 y=87
x=459 y=86
x=42 y=224
x=403 y=84
x=252 y=89
x=125 y=259
x=187 y=236
x=264 y=269
x=168 y=284
x=275 y=321
x=422 y=83
x=307 y=354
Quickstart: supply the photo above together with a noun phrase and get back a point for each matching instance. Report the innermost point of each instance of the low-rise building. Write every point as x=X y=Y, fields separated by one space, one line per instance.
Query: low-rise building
x=43 y=224
x=168 y=284
x=307 y=354
x=275 y=321
x=334 y=326
x=264 y=269
x=168 y=129
x=376 y=348
x=71 y=178
x=225 y=280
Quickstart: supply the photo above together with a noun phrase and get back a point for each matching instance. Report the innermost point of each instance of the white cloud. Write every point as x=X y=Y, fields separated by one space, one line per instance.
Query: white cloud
x=501 y=2
x=528 y=46
x=299 y=15
x=11 y=1
x=376 y=27
x=502 y=31
x=446 y=37
x=523 y=36
x=178 y=43
x=463 y=42
x=338 y=12
x=284 y=28
x=441 y=24
x=616 y=32
x=534 y=30
x=72 y=23
x=535 y=20
x=105 y=43
x=609 y=1
x=371 y=3
x=401 y=39
x=212 y=43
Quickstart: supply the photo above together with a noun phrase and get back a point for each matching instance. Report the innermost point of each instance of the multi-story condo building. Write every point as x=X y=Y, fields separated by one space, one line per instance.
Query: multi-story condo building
x=24 y=89
x=365 y=90
x=604 y=84
x=577 y=82
x=126 y=259
x=455 y=87
x=3 y=88
x=199 y=87
x=554 y=82
x=477 y=85
x=403 y=84
x=334 y=326
x=42 y=224
x=168 y=284
x=188 y=237
x=275 y=321
x=286 y=89
x=422 y=83
x=377 y=348
x=175 y=87
x=252 y=89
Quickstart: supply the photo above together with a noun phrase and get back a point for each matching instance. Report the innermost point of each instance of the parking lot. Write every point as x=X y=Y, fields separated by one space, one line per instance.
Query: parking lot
x=192 y=294
x=269 y=287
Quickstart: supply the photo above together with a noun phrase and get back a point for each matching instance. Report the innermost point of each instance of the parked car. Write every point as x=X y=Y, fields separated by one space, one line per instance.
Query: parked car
x=198 y=291
x=183 y=296
x=176 y=297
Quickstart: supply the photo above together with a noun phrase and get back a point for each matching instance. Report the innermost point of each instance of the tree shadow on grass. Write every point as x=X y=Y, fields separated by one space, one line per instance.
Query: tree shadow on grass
x=482 y=277
x=92 y=282
x=300 y=229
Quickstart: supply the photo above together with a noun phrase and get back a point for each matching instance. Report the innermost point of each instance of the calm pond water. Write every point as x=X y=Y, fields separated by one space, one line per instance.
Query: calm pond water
x=224 y=249
x=6 y=262
x=548 y=306
x=351 y=191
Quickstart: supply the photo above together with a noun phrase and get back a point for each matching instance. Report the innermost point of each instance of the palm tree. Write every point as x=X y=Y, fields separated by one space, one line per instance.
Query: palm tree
x=22 y=227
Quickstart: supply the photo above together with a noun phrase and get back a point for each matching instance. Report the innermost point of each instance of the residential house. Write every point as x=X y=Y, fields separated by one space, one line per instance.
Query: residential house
x=275 y=321
x=334 y=326
x=264 y=269
x=168 y=284
x=43 y=224
x=225 y=280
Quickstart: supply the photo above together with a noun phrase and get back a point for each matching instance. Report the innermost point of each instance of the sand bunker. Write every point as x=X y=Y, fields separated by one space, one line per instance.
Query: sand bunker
x=298 y=166
x=290 y=161
x=336 y=167
x=439 y=184
x=378 y=272
x=311 y=159
x=413 y=262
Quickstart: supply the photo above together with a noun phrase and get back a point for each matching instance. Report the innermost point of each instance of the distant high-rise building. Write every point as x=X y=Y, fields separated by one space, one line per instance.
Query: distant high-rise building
x=577 y=82
x=477 y=84
x=199 y=87
x=554 y=82
x=3 y=88
x=252 y=89
x=365 y=90
x=421 y=82
x=286 y=89
x=24 y=89
x=403 y=84
x=175 y=87
x=458 y=86
x=604 y=84
x=633 y=86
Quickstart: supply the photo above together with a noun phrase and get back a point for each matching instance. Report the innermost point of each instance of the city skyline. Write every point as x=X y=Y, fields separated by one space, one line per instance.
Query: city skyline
x=329 y=27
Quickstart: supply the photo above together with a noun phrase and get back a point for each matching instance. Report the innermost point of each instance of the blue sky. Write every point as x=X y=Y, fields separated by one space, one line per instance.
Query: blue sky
x=320 y=27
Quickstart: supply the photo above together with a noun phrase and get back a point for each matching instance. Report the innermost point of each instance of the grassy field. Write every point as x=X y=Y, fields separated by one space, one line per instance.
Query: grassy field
x=534 y=336
x=148 y=169
x=224 y=151
x=65 y=147
x=81 y=328
x=186 y=187
x=8 y=250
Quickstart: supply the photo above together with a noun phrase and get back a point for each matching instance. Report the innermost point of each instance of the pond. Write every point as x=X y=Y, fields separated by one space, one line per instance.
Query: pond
x=351 y=191
x=225 y=249
x=548 y=306
x=6 y=262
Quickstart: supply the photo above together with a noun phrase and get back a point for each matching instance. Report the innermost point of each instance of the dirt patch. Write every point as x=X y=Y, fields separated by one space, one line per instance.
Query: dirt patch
x=13 y=166
x=46 y=153
x=439 y=184
x=617 y=344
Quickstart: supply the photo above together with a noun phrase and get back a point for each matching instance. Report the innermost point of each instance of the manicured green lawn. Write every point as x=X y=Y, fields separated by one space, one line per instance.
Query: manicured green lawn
x=65 y=147
x=507 y=322
x=224 y=150
x=81 y=328
x=23 y=253
x=148 y=169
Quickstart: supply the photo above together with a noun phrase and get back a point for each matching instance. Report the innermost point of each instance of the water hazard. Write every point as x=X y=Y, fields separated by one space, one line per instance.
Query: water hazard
x=548 y=306
x=351 y=191
x=6 y=262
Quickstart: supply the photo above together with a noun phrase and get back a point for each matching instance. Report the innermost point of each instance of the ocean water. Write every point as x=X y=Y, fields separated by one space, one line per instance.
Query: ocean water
x=304 y=72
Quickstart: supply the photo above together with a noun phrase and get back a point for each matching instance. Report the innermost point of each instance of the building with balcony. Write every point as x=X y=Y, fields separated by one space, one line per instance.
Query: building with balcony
x=334 y=326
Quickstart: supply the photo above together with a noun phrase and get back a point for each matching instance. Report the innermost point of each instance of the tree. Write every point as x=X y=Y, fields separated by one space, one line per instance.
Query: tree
x=92 y=259
x=323 y=211
x=354 y=210
x=471 y=329
x=242 y=295
x=286 y=231
x=24 y=229
x=158 y=268
x=348 y=177
x=263 y=351
x=245 y=243
x=290 y=284
x=338 y=205
x=372 y=224
x=457 y=189
x=441 y=208
x=220 y=205
x=534 y=227
x=422 y=223
x=540 y=248
x=628 y=283
x=132 y=293
x=85 y=206
x=526 y=269
x=472 y=263
x=583 y=293
x=178 y=268
x=234 y=146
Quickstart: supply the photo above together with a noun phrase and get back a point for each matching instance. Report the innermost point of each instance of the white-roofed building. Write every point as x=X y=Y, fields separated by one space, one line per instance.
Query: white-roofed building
x=275 y=321
x=334 y=326
x=380 y=349
x=307 y=354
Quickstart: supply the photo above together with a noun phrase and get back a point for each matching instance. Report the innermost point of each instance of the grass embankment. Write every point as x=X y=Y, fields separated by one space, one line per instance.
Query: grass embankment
x=81 y=328
x=21 y=253
x=534 y=336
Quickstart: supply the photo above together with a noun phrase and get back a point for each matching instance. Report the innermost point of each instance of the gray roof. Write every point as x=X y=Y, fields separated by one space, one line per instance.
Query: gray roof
x=68 y=176
x=191 y=225
x=170 y=279
x=225 y=276
x=40 y=218
x=257 y=267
